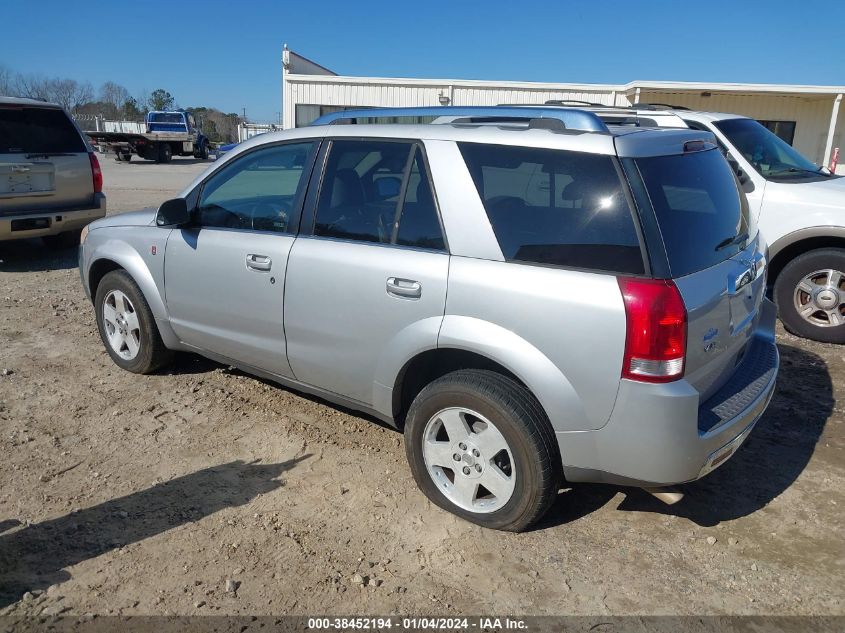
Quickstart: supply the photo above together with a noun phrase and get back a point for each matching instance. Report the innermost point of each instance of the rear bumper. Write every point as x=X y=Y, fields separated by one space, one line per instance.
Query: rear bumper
x=662 y=434
x=50 y=221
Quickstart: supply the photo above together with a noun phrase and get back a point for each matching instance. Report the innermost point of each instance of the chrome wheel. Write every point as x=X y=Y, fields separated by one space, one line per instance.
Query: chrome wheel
x=121 y=323
x=820 y=298
x=469 y=460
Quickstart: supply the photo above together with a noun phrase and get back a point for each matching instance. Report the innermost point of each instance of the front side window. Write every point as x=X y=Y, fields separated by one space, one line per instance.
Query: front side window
x=378 y=191
x=769 y=154
x=260 y=191
x=556 y=207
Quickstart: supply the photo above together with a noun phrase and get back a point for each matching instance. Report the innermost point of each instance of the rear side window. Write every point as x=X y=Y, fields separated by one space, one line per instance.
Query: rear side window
x=556 y=207
x=38 y=131
x=378 y=191
x=702 y=215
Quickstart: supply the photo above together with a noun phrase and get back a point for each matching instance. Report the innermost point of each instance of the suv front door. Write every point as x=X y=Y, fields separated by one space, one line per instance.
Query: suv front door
x=225 y=274
x=367 y=275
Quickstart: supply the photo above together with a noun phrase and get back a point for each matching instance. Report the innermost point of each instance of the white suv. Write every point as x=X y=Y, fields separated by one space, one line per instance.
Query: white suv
x=799 y=206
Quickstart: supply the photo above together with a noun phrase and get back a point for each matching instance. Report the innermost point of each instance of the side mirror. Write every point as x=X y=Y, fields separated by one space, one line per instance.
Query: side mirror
x=173 y=213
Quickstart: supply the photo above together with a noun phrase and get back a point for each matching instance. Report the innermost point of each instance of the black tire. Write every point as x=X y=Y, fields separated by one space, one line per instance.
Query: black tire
x=165 y=152
x=127 y=157
x=152 y=354
x=787 y=283
x=202 y=154
x=62 y=241
x=522 y=422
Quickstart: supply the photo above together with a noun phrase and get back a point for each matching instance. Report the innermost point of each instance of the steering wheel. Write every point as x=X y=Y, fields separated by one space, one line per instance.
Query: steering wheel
x=269 y=216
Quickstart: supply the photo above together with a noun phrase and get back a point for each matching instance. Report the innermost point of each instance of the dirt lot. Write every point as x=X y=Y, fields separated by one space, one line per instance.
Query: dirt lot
x=145 y=495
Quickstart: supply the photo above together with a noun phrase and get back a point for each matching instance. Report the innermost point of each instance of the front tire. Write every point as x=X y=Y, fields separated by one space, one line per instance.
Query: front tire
x=810 y=295
x=481 y=447
x=127 y=326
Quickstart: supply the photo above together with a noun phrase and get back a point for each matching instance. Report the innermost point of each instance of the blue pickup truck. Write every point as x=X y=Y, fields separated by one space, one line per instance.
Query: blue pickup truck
x=167 y=134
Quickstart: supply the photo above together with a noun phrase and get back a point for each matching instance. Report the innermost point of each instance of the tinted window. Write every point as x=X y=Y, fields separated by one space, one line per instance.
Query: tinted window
x=38 y=131
x=259 y=191
x=361 y=195
x=556 y=207
x=698 y=207
x=419 y=225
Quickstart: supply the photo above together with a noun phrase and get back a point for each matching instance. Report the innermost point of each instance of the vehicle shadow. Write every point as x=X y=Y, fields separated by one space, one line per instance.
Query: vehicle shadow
x=772 y=458
x=23 y=256
x=187 y=363
x=36 y=556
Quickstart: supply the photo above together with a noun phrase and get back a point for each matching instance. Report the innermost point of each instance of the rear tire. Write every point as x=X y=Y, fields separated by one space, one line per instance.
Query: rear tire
x=810 y=295
x=165 y=153
x=120 y=307
x=62 y=241
x=504 y=440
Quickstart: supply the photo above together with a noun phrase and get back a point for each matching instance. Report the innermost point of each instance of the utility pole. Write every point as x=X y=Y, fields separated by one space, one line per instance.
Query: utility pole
x=244 y=114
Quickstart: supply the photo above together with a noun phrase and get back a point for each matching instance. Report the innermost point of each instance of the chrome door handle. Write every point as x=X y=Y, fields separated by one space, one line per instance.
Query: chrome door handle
x=404 y=288
x=258 y=262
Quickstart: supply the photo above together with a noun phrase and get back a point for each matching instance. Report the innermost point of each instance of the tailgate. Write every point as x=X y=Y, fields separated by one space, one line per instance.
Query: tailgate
x=52 y=183
x=723 y=304
x=713 y=253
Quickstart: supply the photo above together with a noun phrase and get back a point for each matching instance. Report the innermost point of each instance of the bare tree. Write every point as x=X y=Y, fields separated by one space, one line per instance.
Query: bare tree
x=32 y=86
x=115 y=94
x=7 y=82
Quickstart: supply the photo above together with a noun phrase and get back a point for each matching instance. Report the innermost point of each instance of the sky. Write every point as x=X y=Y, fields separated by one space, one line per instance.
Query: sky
x=227 y=54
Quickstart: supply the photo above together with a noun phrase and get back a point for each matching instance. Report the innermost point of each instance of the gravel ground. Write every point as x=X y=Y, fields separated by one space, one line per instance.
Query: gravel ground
x=203 y=490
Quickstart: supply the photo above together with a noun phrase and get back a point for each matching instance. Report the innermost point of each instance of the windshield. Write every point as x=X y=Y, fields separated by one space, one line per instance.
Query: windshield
x=702 y=215
x=770 y=155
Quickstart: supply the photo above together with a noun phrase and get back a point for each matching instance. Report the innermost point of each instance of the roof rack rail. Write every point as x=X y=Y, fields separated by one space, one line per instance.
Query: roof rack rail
x=565 y=118
x=657 y=106
x=573 y=102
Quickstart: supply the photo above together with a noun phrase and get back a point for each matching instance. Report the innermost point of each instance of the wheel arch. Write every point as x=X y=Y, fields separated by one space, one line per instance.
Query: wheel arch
x=471 y=343
x=115 y=255
x=788 y=247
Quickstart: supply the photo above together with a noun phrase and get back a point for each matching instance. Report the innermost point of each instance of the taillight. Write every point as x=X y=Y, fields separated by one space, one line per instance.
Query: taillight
x=656 y=337
x=96 y=172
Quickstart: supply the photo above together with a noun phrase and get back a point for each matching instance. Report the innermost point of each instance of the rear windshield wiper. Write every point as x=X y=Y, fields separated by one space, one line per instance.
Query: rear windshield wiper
x=730 y=241
x=47 y=154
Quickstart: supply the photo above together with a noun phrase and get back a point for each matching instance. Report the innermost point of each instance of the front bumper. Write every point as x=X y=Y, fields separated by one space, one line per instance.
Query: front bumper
x=661 y=434
x=51 y=221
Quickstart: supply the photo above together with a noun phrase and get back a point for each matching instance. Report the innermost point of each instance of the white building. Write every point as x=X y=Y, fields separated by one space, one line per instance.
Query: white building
x=808 y=117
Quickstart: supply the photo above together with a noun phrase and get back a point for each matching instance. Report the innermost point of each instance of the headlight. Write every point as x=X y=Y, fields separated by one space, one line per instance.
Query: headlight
x=84 y=234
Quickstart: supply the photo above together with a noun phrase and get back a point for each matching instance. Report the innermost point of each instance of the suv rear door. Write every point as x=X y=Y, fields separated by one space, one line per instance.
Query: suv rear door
x=44 y=161
x=699 y=219
x=367 y=275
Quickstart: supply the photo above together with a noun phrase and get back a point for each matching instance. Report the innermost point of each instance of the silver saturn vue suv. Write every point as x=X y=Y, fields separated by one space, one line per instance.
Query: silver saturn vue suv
x=532 y=296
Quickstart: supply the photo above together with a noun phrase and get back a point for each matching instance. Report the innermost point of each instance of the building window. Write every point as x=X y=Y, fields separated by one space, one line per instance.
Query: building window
x=784 y=129
x=306 y=114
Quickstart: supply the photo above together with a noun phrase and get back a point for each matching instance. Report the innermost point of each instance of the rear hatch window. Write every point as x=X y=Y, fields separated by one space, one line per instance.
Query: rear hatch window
x=556 y=207
x=702 y=216
x=38 y=131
